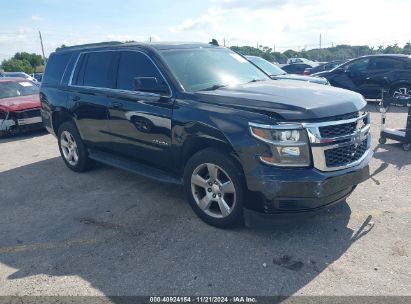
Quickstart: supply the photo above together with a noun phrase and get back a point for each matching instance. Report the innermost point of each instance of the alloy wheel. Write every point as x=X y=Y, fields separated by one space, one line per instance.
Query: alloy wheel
x=402 y=92
x=69 y=148
x=213 y=190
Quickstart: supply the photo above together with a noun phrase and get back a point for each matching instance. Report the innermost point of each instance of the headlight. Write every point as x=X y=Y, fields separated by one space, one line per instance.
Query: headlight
x=289 y=147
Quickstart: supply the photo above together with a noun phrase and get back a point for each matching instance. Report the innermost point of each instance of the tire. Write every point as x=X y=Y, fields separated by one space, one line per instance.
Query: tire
x=69 y=140
x=400 y=90
x=406 y=147
x=220 y=203
x=382 y=140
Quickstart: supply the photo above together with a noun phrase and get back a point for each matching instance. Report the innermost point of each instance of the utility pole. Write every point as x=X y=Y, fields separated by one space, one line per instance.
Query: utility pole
x=320 y=48
x=320 y=41
x=42 y=48
x=224 y=40
x=149 y=38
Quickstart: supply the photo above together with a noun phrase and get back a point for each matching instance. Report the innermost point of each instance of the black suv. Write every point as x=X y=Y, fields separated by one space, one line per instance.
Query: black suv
x=205 y=117
x=369 y=74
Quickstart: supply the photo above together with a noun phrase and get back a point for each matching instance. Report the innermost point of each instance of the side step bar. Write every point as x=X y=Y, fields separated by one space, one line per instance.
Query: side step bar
x=135 y=167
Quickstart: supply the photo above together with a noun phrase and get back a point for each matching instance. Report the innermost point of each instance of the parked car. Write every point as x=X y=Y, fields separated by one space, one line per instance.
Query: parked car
x=204 y=117
x=369 y=74
x=20 y=75
x=38 y=76
x=301 y=60
x=277 y=73
x=296 y=68
x=324 y=67
x=19 y=106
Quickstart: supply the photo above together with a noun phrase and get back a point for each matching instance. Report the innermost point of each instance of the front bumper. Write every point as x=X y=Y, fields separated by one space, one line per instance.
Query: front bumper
x=20 y=121
x=283 y=191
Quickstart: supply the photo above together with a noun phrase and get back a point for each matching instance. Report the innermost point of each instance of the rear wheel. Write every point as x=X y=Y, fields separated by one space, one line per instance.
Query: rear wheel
x=72 y=149
x=214 y=188
x=401 y=91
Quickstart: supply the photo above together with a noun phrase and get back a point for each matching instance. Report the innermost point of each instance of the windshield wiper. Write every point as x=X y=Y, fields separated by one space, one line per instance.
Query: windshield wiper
x=214 y=87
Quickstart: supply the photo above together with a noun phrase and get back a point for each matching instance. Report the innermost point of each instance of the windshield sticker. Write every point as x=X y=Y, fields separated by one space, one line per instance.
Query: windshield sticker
x=238 y=58
x=25 y=84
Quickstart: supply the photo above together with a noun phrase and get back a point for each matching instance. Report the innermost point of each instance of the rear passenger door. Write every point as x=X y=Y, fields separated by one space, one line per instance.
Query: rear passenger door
x=140 y=122
x=88 y=97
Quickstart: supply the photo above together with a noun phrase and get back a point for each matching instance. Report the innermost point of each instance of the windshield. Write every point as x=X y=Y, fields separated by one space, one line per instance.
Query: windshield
x=266 y=66
x=15 y=89
x=210 y=68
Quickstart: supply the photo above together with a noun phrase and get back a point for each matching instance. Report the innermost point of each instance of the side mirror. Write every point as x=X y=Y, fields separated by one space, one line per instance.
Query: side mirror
x=150 y=84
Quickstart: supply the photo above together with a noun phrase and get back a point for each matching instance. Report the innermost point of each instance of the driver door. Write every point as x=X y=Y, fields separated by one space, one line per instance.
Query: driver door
x=354 y=75
x=140 y=122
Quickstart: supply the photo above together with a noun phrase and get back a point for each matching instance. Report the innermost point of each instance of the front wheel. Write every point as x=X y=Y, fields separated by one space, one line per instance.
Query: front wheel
x=214 y=187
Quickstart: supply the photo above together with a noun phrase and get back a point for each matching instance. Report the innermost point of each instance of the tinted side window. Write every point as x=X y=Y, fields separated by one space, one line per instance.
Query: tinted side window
x=359 y=65
x=55 y=68
x=385 y=64
x=132 y=65
x=95 y=69
x=289 y=68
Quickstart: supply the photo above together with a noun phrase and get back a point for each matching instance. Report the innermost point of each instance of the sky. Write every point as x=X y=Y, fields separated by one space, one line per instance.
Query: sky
x=279 y=24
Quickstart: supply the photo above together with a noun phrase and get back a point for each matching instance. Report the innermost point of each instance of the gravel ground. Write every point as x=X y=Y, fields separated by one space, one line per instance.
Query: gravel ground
x=109 y=232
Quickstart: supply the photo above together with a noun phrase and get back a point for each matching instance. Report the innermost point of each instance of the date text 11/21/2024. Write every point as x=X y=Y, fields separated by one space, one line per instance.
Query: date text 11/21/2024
x=203 y=299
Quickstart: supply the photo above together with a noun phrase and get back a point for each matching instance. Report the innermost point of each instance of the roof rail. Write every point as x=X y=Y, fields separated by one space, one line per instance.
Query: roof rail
x=88 y=45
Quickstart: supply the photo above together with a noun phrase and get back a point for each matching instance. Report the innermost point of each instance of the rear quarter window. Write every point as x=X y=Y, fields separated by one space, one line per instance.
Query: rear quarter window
x=95 y=70
x=56 y=65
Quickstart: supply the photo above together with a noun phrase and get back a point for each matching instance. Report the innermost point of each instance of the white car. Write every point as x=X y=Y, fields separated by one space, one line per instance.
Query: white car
x=301 y=60
x=21 y=75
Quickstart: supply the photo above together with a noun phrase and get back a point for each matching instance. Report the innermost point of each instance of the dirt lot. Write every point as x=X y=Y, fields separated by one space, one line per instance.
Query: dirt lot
x=109 y=232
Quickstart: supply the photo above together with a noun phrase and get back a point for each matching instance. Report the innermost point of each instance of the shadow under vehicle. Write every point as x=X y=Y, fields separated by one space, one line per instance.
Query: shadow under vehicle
x=144 y=244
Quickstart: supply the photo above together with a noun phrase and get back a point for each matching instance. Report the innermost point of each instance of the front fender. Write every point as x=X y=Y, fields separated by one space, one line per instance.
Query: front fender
x=197 y=126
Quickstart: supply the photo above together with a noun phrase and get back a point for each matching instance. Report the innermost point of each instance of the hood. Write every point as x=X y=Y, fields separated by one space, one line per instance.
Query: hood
x=301 y=78
x=20 y=103
x=292 y=100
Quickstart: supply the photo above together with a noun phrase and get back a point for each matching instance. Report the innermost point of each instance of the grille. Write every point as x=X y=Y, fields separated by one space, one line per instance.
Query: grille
x=28 y=114
x=345 y=155
x=343 y=129
x=338 y=130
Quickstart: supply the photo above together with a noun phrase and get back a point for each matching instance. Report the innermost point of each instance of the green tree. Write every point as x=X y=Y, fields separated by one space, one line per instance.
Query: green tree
x=17 y=65
x=407 y=48
x=34 y=59
x=393 y=49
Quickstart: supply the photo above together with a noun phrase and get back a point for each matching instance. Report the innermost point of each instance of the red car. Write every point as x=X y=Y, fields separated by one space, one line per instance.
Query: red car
x=19 y=106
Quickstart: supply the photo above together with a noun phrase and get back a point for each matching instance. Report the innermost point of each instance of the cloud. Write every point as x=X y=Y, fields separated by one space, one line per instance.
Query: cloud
x=211 y=19
x=36 y=18
x=261 y=4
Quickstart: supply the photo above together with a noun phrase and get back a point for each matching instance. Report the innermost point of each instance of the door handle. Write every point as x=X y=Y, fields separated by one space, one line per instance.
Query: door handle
x=75 y=98
x=116 y=104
